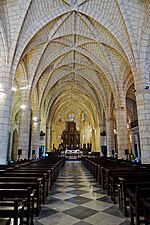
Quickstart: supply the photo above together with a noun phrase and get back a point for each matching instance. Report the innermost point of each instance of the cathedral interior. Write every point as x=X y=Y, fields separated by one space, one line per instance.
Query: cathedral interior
x=75 y=76
x=74 y=60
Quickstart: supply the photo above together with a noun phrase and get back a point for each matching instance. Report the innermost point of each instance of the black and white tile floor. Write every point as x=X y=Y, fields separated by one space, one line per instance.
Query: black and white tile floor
x=77 y=199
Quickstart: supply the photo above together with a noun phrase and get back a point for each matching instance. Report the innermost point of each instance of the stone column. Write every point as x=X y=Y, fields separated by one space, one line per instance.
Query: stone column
x=5 y=109
x=48 y=130
x=43 y=138
x=103 y=141
x=138 y=146
x=51 y=133
x=35 y=133
x=143 y=110
x=24 y=124
x=109 y=134
x=122 y=138
x=133 y=142
x=98 y=147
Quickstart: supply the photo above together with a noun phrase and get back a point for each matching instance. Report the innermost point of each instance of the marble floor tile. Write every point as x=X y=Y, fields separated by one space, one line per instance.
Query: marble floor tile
x=79 y=200
x=90 y=188
x=45 y=212
x=64 y=196
x=66 y=184
x=76 y=185
x=93 y=195
x=104 y=219
x=77 y=192
x=59 y=219
x=82 y=223
x=76 y=199
x=66 y=189
x=80 y=212
x=51 y=199
x=105 y=199
x=113 y=210
x=97 y=205
x=61 y=206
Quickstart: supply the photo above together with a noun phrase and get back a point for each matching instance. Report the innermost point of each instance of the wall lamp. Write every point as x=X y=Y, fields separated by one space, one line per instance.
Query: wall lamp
x=23 y=106
x=134 y=90
x=35 y=119
x=147 y=87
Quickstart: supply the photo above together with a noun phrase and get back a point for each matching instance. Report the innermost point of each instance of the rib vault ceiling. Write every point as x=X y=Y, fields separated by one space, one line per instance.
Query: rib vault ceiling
x=74 y=53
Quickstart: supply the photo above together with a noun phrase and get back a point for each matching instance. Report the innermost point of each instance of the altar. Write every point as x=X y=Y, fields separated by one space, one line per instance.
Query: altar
x=72 y=154
x=71 y=137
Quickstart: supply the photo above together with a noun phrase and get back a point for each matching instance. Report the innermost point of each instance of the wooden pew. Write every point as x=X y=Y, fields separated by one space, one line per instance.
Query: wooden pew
x=123 y=194
x=39 y=171
x=40 y=168
x=13 y=209
x=97 y=167
x=45 y=178
x=21 y=194
x=36 y=185
x=108 y=170
x=136 y=206
x=50 y=165
x=114 y=180
x=146 y=205
x=5 y=221
x=25 y=177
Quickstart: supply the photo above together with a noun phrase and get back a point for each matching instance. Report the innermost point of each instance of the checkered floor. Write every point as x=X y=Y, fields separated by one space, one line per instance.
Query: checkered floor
x=77 y=199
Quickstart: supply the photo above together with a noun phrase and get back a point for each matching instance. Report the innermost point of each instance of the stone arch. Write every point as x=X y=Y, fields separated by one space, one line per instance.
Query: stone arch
x=144 y=45
x=85 y=53
x=3 y=48
x=58 y=12
x=82 y=87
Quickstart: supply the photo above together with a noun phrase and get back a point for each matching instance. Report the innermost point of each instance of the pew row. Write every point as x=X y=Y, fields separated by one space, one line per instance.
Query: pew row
x=36 y=185
x=21 y=194
x=13 y=209
x=136 y=206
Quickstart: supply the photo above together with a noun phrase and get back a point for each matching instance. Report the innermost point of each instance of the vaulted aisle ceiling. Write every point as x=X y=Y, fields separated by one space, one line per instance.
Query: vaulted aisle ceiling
x=75 y=53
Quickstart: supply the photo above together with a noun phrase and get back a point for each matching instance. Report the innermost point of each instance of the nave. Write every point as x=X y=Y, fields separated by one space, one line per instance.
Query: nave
x=77 y=199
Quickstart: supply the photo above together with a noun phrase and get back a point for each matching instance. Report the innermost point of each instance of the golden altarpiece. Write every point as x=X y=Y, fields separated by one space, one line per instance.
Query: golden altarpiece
x=71 y=136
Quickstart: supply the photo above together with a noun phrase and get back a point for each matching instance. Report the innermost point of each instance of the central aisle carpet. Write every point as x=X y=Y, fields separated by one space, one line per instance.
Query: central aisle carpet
x=77 y=199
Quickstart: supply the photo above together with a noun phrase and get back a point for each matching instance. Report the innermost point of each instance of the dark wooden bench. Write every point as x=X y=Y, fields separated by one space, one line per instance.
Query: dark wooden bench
x=146 y=205
x=21 y=194
x=38 y=171
x=54 y=164
x=46 y=180
x=36 y=185
x=5 y=221
x=94 y=165
x=114 y=180
x=26 y=178
x=51 y=166
x=13 y=209
x=123 y=194
x=107 y=171
x=103 y=168
x=136 y=206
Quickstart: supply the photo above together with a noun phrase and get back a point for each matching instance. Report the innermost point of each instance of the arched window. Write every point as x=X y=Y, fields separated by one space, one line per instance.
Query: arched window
x=84 y=117
x=71 y=117
x=59 y=117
